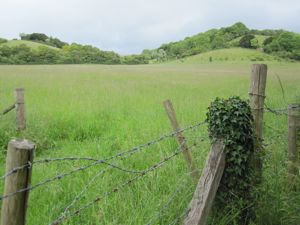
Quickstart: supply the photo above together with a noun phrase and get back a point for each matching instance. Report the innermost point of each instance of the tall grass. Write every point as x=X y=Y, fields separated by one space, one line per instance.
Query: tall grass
x=97 y=111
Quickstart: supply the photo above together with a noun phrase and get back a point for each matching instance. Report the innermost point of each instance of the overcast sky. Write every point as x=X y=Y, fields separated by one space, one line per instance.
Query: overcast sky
x=129 y=26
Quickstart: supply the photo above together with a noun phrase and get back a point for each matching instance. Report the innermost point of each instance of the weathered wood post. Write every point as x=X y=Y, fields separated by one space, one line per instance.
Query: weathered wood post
x=20 y=109
x=257 y=97
x=294 y=139
x=207 y=187
x=180 y=137
x=20 y=152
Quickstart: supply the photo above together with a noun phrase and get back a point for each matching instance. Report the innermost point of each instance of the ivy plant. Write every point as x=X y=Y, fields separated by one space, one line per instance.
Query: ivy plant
x=231 y=120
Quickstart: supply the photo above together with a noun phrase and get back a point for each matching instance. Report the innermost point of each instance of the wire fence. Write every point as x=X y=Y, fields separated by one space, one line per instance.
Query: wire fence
x=124 y=184
x=279 y=111
x=101 y=172
x=139 y=174
x=123 y=154
x=68 y=213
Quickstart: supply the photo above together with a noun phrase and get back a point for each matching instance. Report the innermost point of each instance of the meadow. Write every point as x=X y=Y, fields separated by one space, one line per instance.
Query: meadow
x=100 y=110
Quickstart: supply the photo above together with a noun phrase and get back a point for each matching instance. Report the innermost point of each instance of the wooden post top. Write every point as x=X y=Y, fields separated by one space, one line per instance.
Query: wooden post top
x=259 y=67
x=264 y=65
x=22 y=144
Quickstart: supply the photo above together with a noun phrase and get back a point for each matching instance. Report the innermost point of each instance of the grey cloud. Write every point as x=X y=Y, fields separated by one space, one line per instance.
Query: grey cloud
x=129 y=26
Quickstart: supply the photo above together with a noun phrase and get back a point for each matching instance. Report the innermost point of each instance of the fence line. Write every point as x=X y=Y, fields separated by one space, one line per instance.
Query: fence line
x=279 y=111
x=126 y=183
x=100 y=161
x=258 y=107
x=96 y=162
x=123 y=155
x=86 y=187
x=63 y=175
x=134 y=149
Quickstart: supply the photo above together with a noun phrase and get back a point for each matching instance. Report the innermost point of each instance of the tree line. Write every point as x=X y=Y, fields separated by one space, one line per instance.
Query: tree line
x=62 y=53
x=281 y=43
x=278 y=42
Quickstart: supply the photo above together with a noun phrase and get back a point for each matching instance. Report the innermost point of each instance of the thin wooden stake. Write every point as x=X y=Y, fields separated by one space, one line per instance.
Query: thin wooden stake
x=207 y=187
x=20 y=109
x=294 y=139
x=257 y=97
x=8 y=109
x=20 y=152
x=180 y=137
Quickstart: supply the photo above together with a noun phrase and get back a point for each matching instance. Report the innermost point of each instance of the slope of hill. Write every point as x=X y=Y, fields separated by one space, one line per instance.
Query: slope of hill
x=33 y=52
x=232 y=54
x=31 y=44
x=279 y=43
x=276 y=42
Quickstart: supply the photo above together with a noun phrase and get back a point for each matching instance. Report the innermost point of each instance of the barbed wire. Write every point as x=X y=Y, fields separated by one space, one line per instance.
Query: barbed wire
x=95 y=162
x=120 y=154
x=123 y=185
x=282 y=111
x=63 y=175
x=77 y=198
x=16 y=169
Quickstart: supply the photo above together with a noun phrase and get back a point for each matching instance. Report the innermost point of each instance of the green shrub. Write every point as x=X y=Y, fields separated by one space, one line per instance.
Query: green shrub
x=245 y=41
x=231 y=120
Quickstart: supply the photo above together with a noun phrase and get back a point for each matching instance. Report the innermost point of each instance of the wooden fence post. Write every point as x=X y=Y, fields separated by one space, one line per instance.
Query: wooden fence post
x=207 y=187
x=20 y=109
x=180 y=137
x=20 y=152
x=257 y=97
x=294 y=139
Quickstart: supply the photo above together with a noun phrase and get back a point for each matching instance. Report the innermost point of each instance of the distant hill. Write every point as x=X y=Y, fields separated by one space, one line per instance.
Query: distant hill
x=231 y=54
x=216 y=44
x=276 y=42
x=39 y=48
x=31 y=44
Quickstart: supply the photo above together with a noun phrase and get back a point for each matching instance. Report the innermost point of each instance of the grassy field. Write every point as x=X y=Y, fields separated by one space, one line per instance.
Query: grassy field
x=97 y=111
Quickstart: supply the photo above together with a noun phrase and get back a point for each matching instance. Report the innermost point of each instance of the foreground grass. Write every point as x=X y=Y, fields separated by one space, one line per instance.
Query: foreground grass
x=97 y=111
